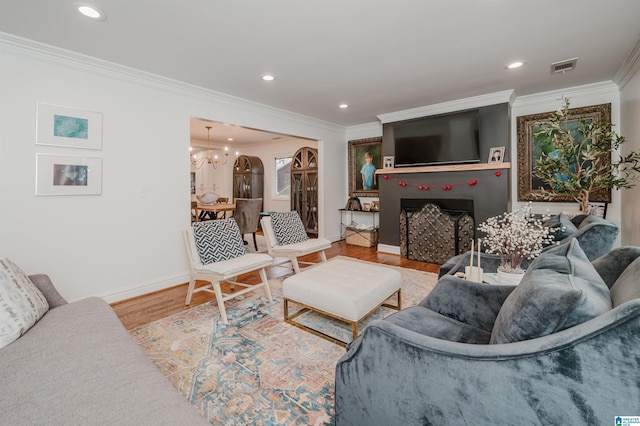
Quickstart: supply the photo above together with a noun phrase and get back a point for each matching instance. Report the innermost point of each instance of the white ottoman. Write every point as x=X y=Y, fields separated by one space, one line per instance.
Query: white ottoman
x=344 y=289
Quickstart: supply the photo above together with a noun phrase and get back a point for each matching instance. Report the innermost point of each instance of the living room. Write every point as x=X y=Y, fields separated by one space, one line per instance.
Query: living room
x=126 y=241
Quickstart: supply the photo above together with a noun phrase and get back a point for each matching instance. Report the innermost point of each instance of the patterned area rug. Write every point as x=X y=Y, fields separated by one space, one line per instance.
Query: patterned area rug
x=257 y=369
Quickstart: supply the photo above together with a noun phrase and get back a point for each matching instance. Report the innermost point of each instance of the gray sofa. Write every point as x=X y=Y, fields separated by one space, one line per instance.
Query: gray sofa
x=595 y=234
x=78 y=366
x=560 y=348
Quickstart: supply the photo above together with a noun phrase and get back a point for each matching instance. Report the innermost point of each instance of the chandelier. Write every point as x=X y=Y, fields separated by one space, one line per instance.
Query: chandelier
x=209 y=159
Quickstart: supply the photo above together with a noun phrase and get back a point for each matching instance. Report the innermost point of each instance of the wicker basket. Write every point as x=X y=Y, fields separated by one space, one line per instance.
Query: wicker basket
x=362 y=237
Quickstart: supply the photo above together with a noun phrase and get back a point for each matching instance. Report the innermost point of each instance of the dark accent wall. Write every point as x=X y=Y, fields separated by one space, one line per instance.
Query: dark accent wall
x=490 y=195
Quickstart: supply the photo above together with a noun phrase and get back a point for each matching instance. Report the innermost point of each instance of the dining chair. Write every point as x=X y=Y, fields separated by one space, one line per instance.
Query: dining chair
x=215 y=253
x=194 y=211
x=247 y=215
x=287 y=237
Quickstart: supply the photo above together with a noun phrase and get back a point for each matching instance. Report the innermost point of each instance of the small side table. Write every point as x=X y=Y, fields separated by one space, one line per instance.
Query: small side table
x=344 y=224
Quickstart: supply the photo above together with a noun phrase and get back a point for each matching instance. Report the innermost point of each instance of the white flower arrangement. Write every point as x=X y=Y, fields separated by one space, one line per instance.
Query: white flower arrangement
x=516 y=236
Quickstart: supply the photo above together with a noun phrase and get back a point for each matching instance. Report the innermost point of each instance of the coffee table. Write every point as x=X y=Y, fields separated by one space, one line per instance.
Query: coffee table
x=344 y=289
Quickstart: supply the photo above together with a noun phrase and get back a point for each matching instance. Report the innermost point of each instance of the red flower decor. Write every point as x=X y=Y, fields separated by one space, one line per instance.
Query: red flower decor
x=472 y=182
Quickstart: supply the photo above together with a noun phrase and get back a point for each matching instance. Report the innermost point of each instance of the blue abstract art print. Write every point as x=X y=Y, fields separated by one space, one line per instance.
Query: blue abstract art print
x=70 y=127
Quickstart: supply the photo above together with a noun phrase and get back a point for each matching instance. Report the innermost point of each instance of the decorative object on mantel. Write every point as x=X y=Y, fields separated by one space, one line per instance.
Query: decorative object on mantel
x=571 y=156
x=448 y=187
x=496 y=154
x=515 y=236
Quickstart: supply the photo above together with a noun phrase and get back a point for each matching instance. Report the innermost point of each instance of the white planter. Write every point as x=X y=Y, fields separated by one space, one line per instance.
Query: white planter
x=507 y=278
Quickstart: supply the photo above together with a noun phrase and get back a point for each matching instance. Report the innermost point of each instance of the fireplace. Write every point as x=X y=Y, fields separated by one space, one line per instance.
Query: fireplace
x=435 y=230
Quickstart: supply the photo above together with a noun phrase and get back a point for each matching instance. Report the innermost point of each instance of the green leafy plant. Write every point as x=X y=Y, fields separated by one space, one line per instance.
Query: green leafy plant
x=581 y=162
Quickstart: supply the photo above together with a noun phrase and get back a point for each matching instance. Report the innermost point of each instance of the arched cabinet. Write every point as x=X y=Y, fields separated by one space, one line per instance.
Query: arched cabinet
x=248 y=177
x=304 y=187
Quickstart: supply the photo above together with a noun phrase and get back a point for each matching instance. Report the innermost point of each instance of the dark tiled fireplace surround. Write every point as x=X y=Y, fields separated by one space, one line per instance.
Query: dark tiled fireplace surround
x=489 y=194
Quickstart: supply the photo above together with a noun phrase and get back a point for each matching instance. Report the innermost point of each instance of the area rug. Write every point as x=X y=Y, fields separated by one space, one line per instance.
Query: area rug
x=257 y=370
x=250 y=247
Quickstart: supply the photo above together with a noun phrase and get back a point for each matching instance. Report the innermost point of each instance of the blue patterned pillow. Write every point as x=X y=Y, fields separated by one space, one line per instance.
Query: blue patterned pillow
x=218 y=240
x=288 y=228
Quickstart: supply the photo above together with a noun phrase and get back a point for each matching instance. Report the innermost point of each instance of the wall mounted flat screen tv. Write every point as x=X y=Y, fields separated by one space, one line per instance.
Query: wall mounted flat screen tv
x=442 y=139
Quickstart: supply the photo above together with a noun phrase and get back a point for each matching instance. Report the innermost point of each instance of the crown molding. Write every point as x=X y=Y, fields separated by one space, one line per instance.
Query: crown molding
x=629 y=67
x=451 y=106
x=603 y=88
x=42 y=51
x=362 y=131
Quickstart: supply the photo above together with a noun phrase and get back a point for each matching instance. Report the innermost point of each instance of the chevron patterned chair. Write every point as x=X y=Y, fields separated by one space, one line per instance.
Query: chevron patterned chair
x=215 y=253
x=287 y=237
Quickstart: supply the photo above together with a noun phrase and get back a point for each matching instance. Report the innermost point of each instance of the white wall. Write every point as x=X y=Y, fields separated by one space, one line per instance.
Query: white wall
x=630 y=128
x=594 y=94
x=126 y=241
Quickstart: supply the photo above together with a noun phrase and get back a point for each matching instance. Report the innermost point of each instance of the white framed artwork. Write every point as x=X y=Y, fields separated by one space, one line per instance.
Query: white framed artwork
x=68 y=127
x=68 y=175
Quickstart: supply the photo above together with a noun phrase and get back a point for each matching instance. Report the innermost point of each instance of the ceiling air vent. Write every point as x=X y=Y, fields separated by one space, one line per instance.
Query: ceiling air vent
x=564 y=66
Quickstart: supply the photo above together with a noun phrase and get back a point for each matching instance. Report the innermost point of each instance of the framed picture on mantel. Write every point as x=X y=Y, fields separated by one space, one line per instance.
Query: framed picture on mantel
x=364 y=159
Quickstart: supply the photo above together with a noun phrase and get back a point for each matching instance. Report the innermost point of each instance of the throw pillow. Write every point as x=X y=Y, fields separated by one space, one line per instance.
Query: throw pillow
x=218 y=240
x=626 y=286
x=21 y=301
x=288 y=228
x=559 y=290
x=565 y=228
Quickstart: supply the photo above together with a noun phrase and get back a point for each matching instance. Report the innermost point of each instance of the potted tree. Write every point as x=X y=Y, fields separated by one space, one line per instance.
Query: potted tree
x=581 y=161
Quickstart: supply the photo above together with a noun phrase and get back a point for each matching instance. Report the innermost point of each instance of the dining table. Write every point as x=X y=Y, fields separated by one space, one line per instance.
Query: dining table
x=217 y=208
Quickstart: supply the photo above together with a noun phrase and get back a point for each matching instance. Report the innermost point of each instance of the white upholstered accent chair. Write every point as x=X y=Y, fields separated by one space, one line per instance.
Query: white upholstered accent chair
x=224 y=271
x=293 y=251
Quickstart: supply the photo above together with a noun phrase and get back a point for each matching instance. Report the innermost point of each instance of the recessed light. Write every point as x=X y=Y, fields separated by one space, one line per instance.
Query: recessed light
x=230 y=139
x=515 y=65
x=268 y=77
x=343 y=106
x=90 y=11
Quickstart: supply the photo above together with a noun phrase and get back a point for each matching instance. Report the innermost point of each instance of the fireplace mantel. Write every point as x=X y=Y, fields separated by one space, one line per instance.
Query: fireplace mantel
x=447 y=168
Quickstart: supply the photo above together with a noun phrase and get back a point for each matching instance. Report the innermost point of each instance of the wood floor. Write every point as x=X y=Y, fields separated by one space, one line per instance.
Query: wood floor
x=153 y=306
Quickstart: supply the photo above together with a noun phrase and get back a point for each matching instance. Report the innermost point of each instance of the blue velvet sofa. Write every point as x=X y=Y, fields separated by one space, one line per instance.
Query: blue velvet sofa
x=563 y=347
x=595 y=234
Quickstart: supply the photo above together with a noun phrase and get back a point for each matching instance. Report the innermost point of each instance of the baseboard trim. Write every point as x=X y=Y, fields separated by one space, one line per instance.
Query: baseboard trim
x=385 y=248
x=144 y=288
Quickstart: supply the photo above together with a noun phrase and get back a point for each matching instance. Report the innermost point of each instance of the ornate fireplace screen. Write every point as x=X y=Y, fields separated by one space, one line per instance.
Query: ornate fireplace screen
x=434 y=235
